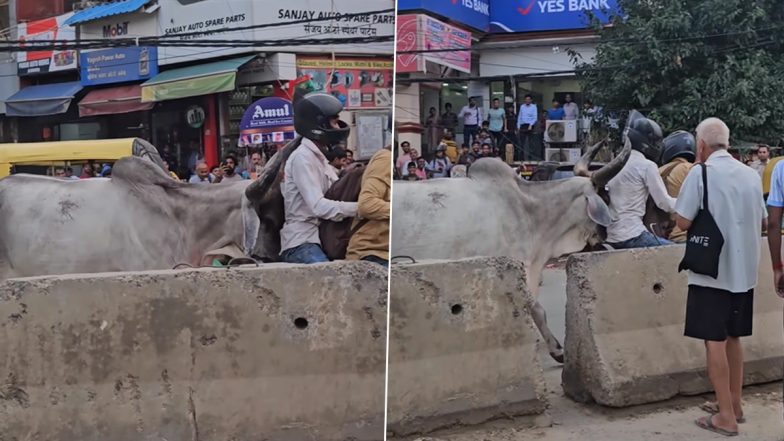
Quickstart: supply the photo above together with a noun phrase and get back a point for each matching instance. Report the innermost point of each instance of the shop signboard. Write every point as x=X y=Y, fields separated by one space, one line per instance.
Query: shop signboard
x=138 y=24
x=45 y=61
x=472 y=13
x=189 y=19
x=354 y=82
x=439 y=36
x=317 y=19
x=269 y=119
x=332 y=19
x=118 y=65
x=408 y=40
x=548 y=15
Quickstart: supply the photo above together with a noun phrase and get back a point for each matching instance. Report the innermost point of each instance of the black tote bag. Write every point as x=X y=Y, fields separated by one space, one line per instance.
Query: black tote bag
x=704 y=239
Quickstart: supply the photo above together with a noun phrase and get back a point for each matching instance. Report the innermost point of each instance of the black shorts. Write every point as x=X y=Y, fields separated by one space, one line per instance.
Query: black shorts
x=715 y=314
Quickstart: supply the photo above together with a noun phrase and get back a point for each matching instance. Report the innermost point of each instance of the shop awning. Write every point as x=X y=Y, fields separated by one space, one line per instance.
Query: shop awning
x=106 y=10
x=47 y=99
x=203 y=79
x=122 y=99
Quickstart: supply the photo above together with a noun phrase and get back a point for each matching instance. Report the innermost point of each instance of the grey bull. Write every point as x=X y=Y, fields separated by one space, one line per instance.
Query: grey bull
x=493 y=212
x=140 y=219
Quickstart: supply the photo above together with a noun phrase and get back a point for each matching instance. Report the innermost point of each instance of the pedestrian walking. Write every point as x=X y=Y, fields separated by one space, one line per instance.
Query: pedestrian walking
x=720 y=206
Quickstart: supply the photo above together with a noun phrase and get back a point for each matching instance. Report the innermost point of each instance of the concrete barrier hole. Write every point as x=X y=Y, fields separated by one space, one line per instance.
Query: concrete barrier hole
x=301 y=322
x=457 y=308
x=657 y=288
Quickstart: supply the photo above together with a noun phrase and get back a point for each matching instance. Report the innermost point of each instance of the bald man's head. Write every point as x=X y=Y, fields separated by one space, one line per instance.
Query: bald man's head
x=202 y=170
x=712 y=135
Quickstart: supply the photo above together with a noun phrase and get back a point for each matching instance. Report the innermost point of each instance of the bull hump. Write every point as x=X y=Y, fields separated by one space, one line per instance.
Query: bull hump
x=491 y=168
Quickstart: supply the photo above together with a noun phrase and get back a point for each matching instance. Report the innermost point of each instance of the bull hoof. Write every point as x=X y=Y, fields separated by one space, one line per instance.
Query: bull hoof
x=559 y=357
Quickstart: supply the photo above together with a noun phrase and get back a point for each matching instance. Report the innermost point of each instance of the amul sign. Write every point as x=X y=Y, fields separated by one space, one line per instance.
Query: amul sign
x=268 y=112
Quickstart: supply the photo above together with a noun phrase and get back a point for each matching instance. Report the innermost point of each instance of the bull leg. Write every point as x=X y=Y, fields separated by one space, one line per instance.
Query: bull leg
x=540 y=318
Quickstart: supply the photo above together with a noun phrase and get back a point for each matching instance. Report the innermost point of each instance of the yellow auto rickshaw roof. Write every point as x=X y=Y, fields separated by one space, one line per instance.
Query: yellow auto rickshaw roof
x=85 y=150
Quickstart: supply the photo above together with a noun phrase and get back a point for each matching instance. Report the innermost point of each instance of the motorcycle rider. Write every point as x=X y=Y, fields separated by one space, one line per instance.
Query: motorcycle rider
x=630 y=188
x=678 y=156
x=308 y=175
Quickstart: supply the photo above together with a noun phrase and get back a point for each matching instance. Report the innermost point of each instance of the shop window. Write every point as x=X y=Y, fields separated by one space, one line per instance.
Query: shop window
x=76 y=131
x=455 y=94
x=238 y=102
x=43 y=170
x=497 y=90
x=577 y=97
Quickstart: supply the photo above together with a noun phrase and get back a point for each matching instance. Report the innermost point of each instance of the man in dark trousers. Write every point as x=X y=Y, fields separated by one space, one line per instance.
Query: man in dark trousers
x=719 y=310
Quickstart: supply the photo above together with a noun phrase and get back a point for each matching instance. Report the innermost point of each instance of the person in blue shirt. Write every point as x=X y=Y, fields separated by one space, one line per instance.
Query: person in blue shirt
x=526 y=121
x=556 y=112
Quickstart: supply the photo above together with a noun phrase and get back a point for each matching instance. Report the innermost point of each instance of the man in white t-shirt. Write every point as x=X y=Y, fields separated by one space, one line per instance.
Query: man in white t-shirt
x=472 y=118
x=719 y=311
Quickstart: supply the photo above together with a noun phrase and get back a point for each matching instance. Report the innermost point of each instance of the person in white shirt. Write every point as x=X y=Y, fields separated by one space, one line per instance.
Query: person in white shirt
x=526 y=121
x=472 y=118
x=763 y=155
x=308 y=175
x=719 y=310
x=571 y=111
x=629 y=189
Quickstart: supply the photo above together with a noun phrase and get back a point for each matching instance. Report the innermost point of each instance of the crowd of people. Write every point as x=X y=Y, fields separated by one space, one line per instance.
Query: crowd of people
x=503 y=125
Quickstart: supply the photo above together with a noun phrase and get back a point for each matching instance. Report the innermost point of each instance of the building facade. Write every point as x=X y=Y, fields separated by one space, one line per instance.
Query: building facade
x=518 y=48
x=200 y=103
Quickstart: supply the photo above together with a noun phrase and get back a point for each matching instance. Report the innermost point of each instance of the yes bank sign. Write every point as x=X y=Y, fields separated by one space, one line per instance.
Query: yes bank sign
x=472 y=13
x=548 y=15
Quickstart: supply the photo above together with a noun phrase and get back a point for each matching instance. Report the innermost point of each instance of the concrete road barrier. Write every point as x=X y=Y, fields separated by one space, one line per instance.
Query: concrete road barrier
x=279 y=352
x=463 y=346
x=625 y=316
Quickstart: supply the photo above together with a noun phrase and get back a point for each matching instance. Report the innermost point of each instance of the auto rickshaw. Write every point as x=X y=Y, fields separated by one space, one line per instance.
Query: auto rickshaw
x=42 y=157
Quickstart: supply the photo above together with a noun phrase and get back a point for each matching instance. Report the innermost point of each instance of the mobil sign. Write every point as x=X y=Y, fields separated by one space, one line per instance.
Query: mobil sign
x=548 y=15
x=472 y=13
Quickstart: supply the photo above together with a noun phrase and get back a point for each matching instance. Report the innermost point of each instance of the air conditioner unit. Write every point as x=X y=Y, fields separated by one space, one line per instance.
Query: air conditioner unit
x=563 y=155
x=560 y=131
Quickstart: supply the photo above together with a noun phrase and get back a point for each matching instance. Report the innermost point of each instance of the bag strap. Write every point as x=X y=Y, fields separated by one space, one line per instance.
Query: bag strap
x=704 y=186
x=359 y=225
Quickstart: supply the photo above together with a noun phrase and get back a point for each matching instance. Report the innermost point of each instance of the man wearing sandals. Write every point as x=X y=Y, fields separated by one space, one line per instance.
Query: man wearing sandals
x=719 y=310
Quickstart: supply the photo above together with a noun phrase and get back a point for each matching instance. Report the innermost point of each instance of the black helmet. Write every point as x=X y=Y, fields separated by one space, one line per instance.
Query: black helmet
x=680 y=144
x=312 y=114
x=645 y=135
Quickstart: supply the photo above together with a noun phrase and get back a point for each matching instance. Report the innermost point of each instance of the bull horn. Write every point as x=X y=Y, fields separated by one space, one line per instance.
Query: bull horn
x=581 y=168
x=260 y=187
x=601 y=177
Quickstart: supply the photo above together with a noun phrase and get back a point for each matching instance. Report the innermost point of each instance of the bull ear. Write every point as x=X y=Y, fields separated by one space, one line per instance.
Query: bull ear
x=598 y=211
x=250 y=226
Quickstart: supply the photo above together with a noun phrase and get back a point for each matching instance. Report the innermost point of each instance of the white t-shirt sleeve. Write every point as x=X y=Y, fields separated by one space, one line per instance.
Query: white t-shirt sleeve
x=690 y=196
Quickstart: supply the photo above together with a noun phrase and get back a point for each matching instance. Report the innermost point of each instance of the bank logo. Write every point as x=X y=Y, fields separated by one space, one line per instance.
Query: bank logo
x=482 y=7
x=551 y=6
